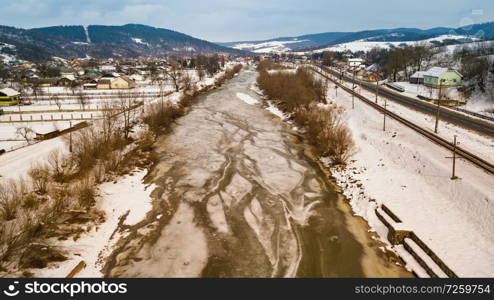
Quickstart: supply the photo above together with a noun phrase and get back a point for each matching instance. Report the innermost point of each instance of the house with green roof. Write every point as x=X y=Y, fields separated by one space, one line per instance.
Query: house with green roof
x=437 y=77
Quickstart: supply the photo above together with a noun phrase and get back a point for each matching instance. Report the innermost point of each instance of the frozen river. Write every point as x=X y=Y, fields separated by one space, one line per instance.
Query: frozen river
x=238 y=196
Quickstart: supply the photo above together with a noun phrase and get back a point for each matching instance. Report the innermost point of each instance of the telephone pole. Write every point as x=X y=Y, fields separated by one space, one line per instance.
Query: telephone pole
x=353 y=90
x=438 y=105
x=377 y=87
x=70 y=137
x=453 y=176
x=385 y=112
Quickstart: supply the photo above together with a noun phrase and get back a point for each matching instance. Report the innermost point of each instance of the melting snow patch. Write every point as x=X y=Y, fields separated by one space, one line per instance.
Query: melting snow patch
x=275 y=111
x=247 y=99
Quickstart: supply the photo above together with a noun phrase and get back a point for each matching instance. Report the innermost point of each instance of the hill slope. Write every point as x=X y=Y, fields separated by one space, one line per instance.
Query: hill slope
x=99 y=41
x=328 y=39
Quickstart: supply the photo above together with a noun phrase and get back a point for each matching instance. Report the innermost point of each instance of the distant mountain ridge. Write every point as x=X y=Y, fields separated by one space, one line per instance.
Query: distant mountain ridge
x=324 y=40
x=131 y=40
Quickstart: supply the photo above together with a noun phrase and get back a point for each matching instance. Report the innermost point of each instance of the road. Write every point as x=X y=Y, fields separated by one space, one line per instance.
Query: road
x=480 y=126
x=239 y=196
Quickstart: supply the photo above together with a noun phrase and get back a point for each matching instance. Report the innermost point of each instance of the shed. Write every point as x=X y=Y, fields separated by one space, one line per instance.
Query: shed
x=418 y=77
x=9 y=96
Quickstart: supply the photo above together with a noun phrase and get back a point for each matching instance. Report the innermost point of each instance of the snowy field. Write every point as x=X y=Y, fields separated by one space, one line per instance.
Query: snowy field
x=411 y=176
x=366 y=45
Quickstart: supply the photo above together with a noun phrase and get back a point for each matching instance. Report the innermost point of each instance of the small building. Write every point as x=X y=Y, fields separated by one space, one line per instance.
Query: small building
x=68 y=75
x=45 y=82
x=47 y=134
x=9 y=96
x=104 y=84
x=122 y=82
x=64 y=81
x=442 y=77
x=117 y=83
x=355 y=62
x=108 y=68
x=418 y=77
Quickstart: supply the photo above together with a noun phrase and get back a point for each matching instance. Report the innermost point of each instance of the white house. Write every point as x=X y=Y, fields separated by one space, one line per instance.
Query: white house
x=108 y=68
x=355 y=62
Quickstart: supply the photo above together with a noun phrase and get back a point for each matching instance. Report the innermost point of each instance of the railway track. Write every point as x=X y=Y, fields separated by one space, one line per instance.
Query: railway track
x=474 y=159
x=481 y=126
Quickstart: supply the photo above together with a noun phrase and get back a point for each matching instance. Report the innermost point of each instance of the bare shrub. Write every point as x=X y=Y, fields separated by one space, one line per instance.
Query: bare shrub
x=161 y=115
x=11 y=196
x=292 y=89
x=325 y=130
x=59 y=166
x=298 y=93
x=85 y=192
x=40 y=176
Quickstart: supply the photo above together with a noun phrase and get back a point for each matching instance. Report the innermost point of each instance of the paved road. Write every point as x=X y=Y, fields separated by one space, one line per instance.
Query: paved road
x=238 y=196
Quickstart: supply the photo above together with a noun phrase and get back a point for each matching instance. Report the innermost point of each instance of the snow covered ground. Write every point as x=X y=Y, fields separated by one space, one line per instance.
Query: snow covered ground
x=267 y=47
x=411 y=176
x=412 y=90
x=366 y=45
x=129 y=196
x=16 y=164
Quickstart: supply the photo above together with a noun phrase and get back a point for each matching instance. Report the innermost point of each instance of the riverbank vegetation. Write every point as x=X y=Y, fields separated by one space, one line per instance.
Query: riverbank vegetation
x=301 y=95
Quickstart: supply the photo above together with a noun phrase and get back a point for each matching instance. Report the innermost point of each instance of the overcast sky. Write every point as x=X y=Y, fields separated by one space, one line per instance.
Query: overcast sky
x=234 y=20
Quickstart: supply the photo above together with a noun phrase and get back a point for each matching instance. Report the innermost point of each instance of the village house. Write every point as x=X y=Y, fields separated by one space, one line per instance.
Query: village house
x=108 y=68
x=355 y=62
x=121 y=82
x=9 y=96
x=104 y=84
x=442 y=77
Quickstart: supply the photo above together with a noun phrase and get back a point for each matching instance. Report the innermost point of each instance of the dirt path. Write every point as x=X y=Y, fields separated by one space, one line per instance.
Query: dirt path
x=238 y=197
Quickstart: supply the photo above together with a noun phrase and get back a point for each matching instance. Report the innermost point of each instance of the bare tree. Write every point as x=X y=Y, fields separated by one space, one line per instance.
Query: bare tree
x=175 y=75
x=73 y=86
x=186 y=82
x=201 y=74
x=161 y=81
x=109 y=124
x=26 y=133
x=36 y=89
x=57 y=101
x=82 y=100
x=126 y=105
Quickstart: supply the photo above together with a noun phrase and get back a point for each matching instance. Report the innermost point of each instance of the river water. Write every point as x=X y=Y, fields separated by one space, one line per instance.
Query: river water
x=238 y=196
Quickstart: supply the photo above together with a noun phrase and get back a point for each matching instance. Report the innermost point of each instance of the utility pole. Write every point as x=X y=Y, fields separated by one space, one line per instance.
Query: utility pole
x=70 y=137
x=438 y=106
x=353 y=90
x=336 y=89
x=385 y=112
x=453 y=176
x=377 y=87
